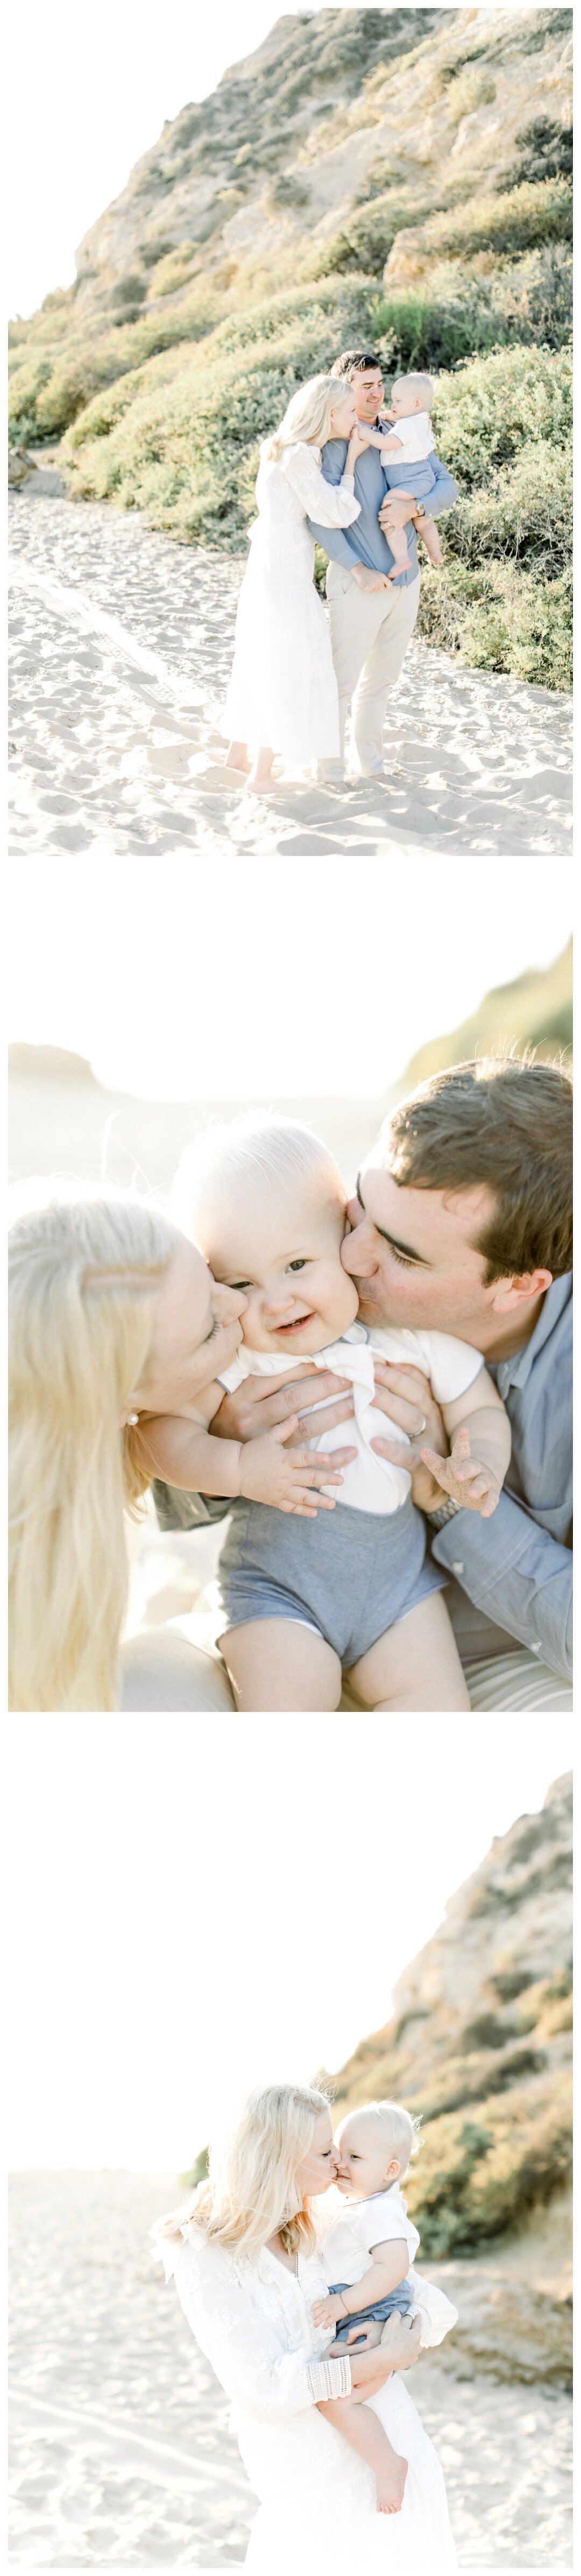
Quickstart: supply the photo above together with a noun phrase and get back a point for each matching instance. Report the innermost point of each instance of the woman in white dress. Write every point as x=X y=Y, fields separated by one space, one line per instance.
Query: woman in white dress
x=244 y=2257
x=283 y=692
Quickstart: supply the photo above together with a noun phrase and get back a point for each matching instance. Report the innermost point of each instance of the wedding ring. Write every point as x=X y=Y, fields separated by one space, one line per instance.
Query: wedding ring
x=422 y=1427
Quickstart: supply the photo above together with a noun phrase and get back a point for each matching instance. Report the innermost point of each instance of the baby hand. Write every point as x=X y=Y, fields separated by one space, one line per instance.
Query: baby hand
x=268 y=1474
x=326 y=2311
x=463 y=1477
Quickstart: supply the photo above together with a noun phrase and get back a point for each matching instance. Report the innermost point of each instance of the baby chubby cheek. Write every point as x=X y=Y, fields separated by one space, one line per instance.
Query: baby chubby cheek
x=347 y=1300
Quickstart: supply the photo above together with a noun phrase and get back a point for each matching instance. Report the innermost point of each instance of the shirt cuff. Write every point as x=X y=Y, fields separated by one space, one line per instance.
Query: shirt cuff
x=329 y=2378
x=347 y=482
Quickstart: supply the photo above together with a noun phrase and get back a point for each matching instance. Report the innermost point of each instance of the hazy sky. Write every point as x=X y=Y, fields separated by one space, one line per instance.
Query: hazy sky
x=190 y=1921
x=93 y=89
x=341 y=975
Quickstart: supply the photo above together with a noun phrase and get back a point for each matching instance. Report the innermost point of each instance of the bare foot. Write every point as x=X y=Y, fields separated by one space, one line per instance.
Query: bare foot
x=237 y=756
x=261 y=771
x=390 y=2485
x=404 y=566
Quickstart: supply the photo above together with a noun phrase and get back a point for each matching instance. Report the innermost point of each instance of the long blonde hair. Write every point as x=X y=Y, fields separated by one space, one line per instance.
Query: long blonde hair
x=307 y=416
x=250 y=2194
x=83 y=1278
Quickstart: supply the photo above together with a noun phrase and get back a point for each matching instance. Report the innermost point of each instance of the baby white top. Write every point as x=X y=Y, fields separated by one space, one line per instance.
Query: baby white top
x=346 y=2231
x=345 y=2249
x=417 y=438
x=370 y=1484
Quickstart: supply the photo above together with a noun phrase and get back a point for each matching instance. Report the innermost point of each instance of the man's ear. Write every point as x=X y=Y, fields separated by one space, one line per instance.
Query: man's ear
x=518 y=1291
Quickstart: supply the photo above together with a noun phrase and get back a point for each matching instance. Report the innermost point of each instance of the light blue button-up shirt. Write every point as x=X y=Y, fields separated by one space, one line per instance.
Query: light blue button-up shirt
x=517 y=1568
x=364 y=541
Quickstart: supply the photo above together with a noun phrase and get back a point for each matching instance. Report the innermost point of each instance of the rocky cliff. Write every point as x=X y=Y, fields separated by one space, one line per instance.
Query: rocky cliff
x=398 y=178
x=480 y=2043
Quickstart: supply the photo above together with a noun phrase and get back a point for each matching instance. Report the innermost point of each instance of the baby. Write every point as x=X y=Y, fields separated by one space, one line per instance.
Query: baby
x=372 y=2246
x=266 y=1203
x=409 y=445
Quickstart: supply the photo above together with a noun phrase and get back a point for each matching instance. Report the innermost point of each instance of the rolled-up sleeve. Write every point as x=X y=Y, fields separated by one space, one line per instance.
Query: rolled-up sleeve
x=445 y=490
x=244 y=2343
x=512 y=1569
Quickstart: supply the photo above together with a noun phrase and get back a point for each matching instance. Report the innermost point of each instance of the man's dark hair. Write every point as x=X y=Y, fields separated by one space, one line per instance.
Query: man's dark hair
x=354 y=362
x=507 y=1121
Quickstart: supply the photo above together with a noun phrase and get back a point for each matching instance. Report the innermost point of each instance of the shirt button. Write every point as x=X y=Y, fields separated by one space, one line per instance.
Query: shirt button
x=536 y=1648
x=458 y=1569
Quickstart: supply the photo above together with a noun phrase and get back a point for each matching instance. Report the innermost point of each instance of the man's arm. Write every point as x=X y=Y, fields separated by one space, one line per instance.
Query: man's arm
x=337 y=542
x=514 y=1571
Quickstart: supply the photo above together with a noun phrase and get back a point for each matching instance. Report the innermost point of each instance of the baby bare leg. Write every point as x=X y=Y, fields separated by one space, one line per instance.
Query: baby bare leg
x=428 y=531
x=362 y=2429
x=415 y=1665
x=276 y=1663
x=398 y=546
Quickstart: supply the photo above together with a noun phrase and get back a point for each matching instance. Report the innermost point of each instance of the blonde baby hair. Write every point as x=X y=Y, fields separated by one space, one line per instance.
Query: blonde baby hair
x=400 y=2128
x=83 y=1278
x=250 y=2193
x=254 y=1150
x=307 y=416
x=420 y=388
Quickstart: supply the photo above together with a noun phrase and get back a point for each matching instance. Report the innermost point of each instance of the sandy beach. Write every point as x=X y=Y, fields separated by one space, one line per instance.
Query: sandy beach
x=121 y=2454
x=121 y=648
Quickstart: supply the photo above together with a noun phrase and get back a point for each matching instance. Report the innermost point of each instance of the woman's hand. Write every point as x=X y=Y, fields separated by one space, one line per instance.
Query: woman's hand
x=268 y=1474
x=405 y=1394
x=399 y=2349
x=357 y=444
x=464 y=1478
x=362 y=2335
x=262 y=1402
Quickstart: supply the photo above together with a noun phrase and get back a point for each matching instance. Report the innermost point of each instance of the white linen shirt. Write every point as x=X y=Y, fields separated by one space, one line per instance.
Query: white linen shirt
x=253 y=2321
x=417 y=439
x=370 y=1484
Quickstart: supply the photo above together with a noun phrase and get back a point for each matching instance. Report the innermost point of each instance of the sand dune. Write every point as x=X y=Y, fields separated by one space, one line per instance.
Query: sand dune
x=122 y=642
x=121 y=2454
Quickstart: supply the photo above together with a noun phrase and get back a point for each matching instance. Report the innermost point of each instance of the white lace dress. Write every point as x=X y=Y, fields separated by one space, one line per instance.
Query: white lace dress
x=317 y=2509
x=283 y=690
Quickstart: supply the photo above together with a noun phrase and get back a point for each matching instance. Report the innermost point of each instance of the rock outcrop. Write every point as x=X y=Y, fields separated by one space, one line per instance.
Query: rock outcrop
x=480 y=2043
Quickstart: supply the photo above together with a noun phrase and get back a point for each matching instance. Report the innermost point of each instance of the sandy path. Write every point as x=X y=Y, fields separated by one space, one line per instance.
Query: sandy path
x=120 y=2446
x=122 y=643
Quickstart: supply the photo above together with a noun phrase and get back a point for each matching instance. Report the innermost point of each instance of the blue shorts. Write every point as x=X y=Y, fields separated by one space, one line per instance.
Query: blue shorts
x=349 y=1575
x=396 y=2302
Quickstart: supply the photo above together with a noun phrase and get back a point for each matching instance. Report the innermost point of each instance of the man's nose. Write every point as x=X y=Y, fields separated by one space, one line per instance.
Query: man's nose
x=231 y=1304
x=358 y=1253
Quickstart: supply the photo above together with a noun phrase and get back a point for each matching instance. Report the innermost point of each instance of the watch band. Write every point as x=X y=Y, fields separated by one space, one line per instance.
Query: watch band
x=444 y=1512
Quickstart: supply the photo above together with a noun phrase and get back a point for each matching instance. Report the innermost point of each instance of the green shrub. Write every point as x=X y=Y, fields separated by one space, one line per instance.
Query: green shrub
x=501 y=619
x=535 y=212
x=545 y=152
x=477 y=2177
x=462 y=314
x=522 y=514
x=489 y=408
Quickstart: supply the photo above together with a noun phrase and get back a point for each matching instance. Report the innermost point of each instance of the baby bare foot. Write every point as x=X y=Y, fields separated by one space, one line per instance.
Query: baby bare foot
x=390 y=2485
x=403 y=566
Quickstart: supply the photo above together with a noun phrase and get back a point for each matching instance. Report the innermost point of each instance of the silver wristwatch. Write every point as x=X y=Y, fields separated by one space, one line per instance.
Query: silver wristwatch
x=444 y=1512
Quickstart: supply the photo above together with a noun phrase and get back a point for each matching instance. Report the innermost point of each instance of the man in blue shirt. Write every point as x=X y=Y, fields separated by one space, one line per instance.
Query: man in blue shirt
x=371 y=617
x=461 y=1223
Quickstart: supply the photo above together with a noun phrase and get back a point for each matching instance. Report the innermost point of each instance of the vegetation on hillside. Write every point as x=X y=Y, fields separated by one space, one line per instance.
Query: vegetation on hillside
x=180 y=344
x=535 y=1010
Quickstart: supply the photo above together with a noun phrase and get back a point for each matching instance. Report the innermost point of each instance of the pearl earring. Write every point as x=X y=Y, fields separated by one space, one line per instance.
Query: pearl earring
x=131 y=1419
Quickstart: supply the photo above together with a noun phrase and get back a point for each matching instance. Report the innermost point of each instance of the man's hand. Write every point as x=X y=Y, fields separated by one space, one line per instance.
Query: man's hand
x=363 y=2335
x=396 y=510
x=464 y=1478
x=261 y=1403
x=368 y=580
x=326 y=2311
x=405 y=1394
x=268 y=1474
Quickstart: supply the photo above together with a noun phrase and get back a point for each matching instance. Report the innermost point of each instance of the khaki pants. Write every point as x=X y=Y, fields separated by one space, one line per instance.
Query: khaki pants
x=370 y=633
